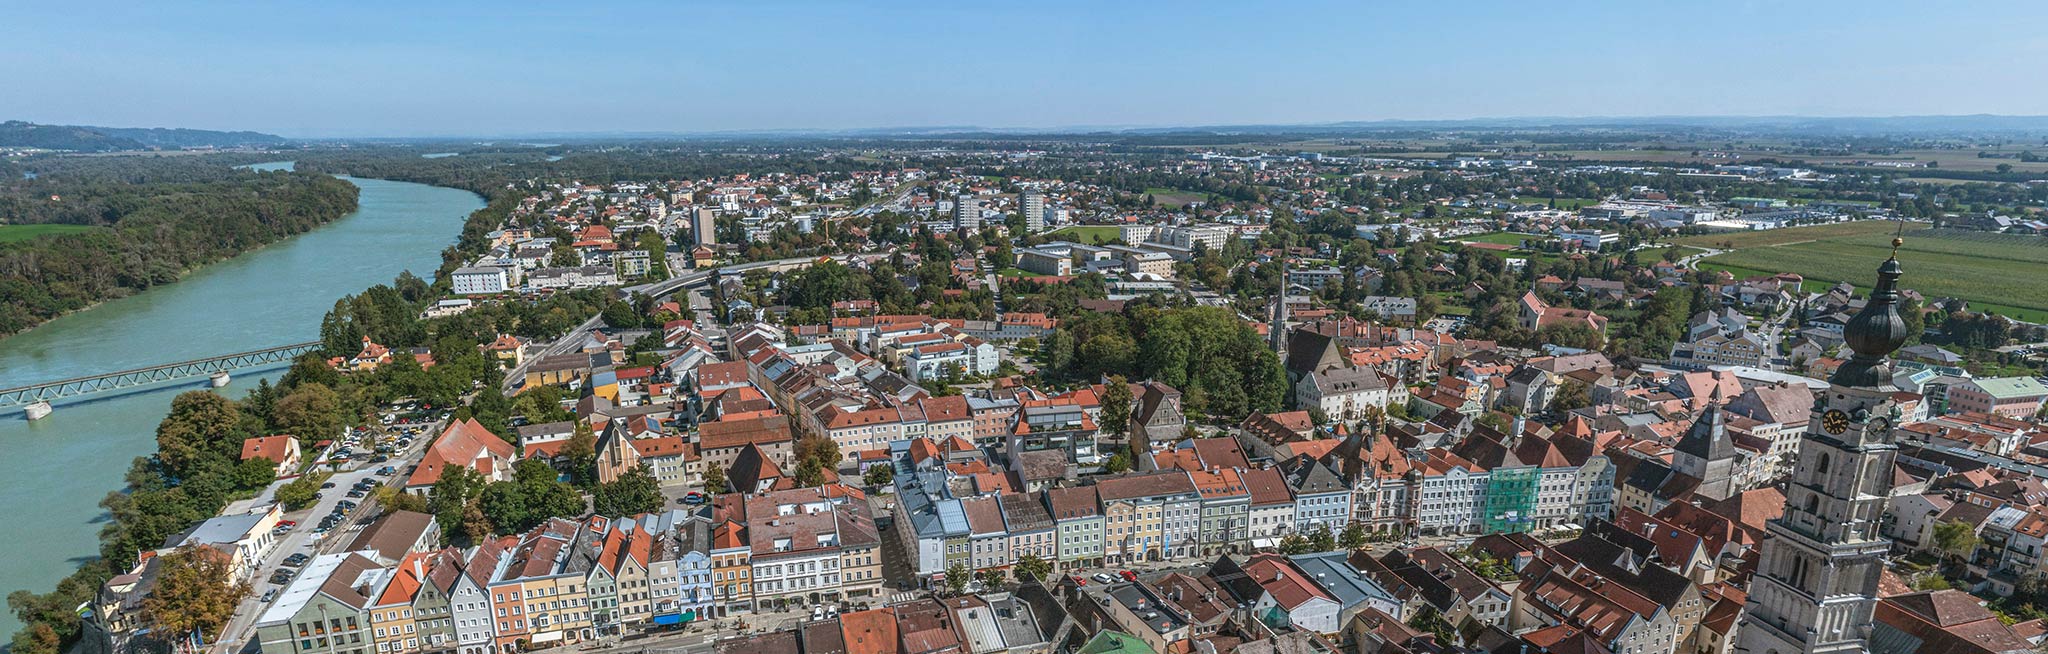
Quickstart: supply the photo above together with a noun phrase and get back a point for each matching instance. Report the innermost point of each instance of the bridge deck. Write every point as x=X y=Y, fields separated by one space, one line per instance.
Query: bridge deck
x=76 y=386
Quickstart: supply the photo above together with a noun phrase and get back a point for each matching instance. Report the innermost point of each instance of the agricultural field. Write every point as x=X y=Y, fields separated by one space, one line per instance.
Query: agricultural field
x=1563 y=204
x=1995 y=272
x=1945 y=159
x=1087 y=234
x=12 y=233
x=1770 y=237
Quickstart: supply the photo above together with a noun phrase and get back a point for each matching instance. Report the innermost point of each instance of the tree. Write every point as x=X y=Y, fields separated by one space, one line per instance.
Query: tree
x=1322 y=540
x=453 y=495
x=819 y=448
x=309 y=411
x=196 y=592
x=475 y=524
x=393 y=498
x=1955 y=538
x=634 y=493
x=1118 y=463
x=1354 y=536
x=581 y=453
x=1429 y=620
x=255 y=473
x=1292 y=544
x=298 y=493
x=200 y=426
x=714 y=479
x=809 y=473
x=990 y=579
x=1571 y=396
x=1116 y=407
x=37 y=638
x=880 y=475
x=1033 y=567
x=957 y=577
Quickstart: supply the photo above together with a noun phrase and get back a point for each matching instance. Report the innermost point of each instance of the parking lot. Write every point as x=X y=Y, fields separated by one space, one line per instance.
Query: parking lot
x=307 y=536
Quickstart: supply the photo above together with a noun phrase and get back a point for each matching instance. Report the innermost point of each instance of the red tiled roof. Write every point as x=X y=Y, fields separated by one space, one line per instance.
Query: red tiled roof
x=276 y=448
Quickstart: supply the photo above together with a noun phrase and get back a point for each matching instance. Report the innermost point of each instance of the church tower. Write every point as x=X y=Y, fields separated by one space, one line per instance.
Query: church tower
x=1706 y=453
x=1815 y=587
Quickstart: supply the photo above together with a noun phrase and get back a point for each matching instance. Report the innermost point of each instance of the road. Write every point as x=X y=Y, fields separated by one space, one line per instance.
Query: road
x=1692 y=260
x=517 y=375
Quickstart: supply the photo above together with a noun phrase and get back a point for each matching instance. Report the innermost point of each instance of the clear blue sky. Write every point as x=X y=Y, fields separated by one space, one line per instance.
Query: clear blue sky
x=492 y=69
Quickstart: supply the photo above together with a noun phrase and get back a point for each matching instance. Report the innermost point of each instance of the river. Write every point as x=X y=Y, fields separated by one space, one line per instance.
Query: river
x=54 y=471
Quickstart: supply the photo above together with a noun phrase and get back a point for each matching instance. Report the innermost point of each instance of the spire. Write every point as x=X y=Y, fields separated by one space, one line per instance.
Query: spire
x=1877 y=330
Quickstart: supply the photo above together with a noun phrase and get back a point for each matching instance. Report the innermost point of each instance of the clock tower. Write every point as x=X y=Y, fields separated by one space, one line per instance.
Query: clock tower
x=1815 y=588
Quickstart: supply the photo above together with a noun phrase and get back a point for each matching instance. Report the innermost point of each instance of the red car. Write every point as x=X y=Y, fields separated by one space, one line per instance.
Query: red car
x=1128 y=575
x=287 y=523
x=1078 y=581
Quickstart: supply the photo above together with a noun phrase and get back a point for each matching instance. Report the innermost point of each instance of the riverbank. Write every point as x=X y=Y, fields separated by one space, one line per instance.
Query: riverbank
x=60 y=467
x=166 y=233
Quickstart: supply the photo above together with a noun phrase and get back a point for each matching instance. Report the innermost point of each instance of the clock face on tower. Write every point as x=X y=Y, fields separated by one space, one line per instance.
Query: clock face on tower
x=1834 y=421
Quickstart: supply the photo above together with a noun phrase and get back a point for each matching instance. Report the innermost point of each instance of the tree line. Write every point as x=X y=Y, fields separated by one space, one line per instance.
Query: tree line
x=155 y=233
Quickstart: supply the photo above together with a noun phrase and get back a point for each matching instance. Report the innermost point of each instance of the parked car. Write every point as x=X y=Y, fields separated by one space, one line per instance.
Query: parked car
x=1078 y=581
x=1128 y=575
x=269 y=596
x=327 y=485
x=1104 y=578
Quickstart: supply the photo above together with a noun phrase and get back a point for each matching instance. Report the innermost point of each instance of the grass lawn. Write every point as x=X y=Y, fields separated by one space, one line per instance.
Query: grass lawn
x=1088 y=234
x=1657 y=254
x=1503 y=238
x=1174 y=198
x=1996 y=272
x=12 y=233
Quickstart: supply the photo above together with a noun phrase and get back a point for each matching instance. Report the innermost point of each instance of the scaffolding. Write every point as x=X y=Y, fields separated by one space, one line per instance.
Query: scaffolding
x=1510 y=499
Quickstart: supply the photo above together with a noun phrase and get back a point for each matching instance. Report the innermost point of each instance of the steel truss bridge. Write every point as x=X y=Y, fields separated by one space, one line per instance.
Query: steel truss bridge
x=169 y=372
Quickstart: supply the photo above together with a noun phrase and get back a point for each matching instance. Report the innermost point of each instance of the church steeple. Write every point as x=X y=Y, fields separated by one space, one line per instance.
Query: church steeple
x=1278 y=332
x=1876 y=331
x=1706 y=453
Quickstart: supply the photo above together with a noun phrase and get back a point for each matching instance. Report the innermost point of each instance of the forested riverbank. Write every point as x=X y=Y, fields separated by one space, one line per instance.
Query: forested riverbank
x=147 y=222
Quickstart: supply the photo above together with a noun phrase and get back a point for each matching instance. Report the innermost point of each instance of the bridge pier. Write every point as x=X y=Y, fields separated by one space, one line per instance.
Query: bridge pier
x=37 y=411
x=219 y=379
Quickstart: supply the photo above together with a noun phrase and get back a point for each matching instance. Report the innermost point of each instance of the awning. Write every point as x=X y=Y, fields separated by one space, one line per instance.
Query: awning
x=1265 y=542
x=668 y=619
x=547 y=637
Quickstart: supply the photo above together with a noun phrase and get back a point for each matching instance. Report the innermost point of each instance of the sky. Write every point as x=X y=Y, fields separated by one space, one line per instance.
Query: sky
x=422 y=69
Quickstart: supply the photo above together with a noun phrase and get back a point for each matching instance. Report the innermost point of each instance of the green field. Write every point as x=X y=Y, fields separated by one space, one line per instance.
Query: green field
x=1737 y=240
x=1995 y=272
x=1174 y=198
x=1563 y=204
x=1088 y=234
x=12 y=233
x=1503 y=238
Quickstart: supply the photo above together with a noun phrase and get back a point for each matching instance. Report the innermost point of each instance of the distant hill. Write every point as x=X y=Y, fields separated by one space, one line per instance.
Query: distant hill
x=21 y=134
